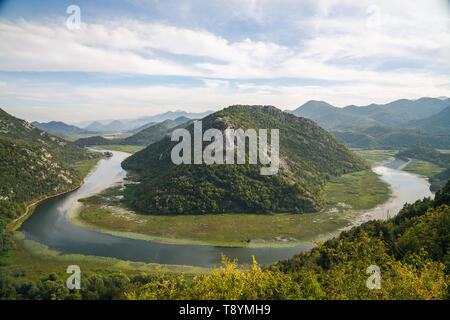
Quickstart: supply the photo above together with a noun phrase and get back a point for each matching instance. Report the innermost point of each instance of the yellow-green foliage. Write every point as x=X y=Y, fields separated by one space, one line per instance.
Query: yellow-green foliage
x=411 y=250
x=228 y=282
x=418 y=278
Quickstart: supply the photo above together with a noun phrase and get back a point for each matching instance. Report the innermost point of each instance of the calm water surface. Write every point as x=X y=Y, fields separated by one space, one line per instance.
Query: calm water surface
x=49 y=224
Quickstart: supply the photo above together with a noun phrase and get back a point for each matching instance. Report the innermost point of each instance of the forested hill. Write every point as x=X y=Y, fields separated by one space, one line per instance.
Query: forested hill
x=438 y=123
x=308 y=157
x=395 y=113
x=33 y=164
x=155 y=132
x=144 y=137
x=399 y=124
x=18 y=129
x=59 y=128
x=411 y=250
x=428 y=153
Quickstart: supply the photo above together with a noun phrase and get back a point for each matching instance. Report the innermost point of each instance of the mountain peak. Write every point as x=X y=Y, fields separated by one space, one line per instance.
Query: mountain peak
x=305 y=150
x=316 y=104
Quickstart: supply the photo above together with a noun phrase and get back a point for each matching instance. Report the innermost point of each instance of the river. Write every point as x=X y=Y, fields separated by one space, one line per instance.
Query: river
x=50 y=225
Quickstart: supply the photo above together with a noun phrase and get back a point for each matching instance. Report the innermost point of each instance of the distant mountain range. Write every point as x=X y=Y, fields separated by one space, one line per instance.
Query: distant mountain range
x=439 y=122
x=155 y=132
x=143 y=127
x=397 y=124
x=145 y=137
x=113 y=126
x=391 y=114
x=61 y=129
x=137 y=124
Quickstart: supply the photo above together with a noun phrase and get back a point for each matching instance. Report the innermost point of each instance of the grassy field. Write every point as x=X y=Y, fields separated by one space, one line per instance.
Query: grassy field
x=359 y=190
x=73 y=137
x=423 y=168
x=362 y=190
x=376 y=156
x=34 y=260
x=125 y=148
x=84 y=167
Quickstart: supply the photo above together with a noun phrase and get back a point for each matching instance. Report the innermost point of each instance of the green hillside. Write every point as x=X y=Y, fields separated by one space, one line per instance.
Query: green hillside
x=309 y=156
x=429 y=162
x=411 y=250
x=394 y=113
x=18 y=129
x=96 y=141
x=154 y=133
x=438 y=123
x=387 y=138
x=399 y=124
x=144 y=137
x=34 y=164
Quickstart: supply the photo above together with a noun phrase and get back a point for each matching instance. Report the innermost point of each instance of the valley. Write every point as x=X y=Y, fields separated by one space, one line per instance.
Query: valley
x=99 y=212
x=237 y=151
x=357 y=191
x=134 y=246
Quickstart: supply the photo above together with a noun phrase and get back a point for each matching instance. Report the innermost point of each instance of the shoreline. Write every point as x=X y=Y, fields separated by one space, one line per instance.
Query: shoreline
x=13 y=226
x=74 y=217
x=352 y=215
x=37 y=249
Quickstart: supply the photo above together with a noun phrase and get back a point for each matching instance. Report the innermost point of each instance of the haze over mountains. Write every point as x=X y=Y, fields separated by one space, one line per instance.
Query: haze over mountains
x=398 y=124
x=136 y=124
x=401 y=123
x=61 y=129
x=150 y=134
x=395 y=113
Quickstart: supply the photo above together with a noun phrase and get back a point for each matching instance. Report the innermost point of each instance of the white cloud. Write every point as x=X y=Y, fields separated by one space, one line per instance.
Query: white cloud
x=356 y=52
x=382 y=30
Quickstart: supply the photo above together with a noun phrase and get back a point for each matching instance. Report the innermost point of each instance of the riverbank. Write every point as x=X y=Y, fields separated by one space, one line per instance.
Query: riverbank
x=345 y=196
x=47 y=227
x=122 y=148
x=84 y=167
x=40 y=260
x=16 y=223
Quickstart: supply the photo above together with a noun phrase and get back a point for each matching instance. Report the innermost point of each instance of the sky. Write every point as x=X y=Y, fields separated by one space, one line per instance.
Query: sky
x=133 y=58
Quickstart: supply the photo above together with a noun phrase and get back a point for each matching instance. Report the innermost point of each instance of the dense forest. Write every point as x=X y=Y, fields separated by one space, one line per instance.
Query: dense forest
x=33 y=164
x=309 y=156
x=411 y=250
x=426 y=152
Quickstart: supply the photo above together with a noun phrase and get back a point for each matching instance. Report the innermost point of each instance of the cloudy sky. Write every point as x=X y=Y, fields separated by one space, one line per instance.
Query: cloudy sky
x=142 y=57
